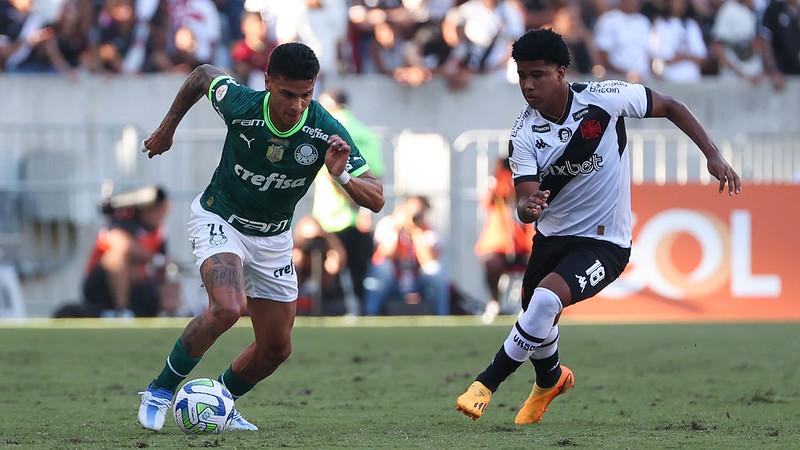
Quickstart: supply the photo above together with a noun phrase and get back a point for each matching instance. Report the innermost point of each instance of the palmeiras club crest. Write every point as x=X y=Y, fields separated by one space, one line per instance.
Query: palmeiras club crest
x=306 y=154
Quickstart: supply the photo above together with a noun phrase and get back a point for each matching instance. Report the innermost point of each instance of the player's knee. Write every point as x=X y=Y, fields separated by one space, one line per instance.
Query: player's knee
x=545 y=301
x=275 y=353
x=226 y=314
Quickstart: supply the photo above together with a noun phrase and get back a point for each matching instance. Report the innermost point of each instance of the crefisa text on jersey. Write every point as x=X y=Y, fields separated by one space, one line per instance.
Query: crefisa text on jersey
x=273 y=180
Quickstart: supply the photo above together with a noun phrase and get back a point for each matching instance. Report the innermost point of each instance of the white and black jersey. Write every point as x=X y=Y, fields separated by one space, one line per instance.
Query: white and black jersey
x=581 y=159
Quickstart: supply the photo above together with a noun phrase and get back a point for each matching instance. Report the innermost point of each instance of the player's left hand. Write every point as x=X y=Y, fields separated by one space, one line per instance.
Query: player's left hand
x=722 y=171
x=337 y=155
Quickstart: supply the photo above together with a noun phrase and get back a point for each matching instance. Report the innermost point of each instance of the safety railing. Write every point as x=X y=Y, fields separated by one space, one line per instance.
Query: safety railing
x=51 y=180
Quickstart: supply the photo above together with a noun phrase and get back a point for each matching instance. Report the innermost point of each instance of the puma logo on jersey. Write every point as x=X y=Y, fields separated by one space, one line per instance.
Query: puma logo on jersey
x=241 y=135
x=273 y=180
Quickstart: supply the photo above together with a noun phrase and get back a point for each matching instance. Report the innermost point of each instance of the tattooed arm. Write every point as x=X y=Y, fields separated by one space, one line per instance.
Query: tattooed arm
x=195 y=86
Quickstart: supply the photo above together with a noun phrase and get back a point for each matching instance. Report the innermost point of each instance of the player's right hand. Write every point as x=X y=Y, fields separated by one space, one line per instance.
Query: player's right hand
x=158 y=142
x=536 y=203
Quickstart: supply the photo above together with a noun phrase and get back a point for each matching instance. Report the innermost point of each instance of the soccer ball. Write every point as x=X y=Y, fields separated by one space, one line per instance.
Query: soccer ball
x=203 y=406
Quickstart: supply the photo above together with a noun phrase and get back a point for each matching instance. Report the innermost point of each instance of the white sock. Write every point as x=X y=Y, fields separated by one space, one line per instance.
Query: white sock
x=534 y=325
x=549 y=346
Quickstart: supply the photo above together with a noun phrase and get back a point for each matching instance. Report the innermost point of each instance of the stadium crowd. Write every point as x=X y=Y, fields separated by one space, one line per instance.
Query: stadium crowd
x=409 y=40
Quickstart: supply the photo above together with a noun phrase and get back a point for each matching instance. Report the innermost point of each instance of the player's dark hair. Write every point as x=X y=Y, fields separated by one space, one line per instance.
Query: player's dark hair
x=542 y=44
x=293 y=60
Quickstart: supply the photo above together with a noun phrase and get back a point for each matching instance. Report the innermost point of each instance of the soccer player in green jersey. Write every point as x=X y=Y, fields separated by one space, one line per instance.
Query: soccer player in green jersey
x=277 y=141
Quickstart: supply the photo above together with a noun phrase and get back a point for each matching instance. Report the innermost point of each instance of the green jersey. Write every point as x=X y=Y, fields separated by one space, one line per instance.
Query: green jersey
x=263 y=172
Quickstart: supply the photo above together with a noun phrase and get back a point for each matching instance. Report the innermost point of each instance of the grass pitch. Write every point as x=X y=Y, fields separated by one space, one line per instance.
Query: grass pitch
x=637 y=386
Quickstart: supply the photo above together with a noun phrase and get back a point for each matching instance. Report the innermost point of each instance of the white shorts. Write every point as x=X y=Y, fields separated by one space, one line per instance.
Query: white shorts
x=267 y=260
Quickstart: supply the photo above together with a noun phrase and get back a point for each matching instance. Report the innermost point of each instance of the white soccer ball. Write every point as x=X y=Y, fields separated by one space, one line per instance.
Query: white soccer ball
x=203 y=406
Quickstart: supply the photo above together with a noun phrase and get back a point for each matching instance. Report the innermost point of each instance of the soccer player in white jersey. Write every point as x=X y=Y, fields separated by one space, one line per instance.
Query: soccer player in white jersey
x=572 y=178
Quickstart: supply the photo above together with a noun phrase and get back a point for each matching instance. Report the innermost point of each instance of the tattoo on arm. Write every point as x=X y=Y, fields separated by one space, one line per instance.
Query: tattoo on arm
x=192 y=90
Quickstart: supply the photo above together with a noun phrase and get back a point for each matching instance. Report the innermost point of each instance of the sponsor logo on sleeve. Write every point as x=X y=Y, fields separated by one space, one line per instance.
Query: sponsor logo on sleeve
x=607 y=87
x=221 y=91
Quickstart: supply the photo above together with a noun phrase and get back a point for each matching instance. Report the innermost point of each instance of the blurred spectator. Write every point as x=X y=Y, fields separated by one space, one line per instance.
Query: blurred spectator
x=782 y=28
x=116 y=26
x=567 y=22
x=333 y=209
x=621 y=36
x=394 y=55
x=63 y=47
x=388 y=51
x=251 y=54
x=504 y=243
x=20 y=31
x=196 y=31
x=677 y=44
x=319 y=259
x=320 y=24
x=406 y=262
x=736 y=45
x=231 y=12
x=541 y=13
x=127 y=272
x=481 y=33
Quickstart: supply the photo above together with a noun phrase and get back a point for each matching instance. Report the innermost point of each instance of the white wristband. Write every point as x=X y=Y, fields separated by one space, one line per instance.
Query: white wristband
x=342 y=179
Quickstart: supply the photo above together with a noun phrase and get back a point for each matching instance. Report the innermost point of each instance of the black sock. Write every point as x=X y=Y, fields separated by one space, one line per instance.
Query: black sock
x=501 y=367
x=548 y=370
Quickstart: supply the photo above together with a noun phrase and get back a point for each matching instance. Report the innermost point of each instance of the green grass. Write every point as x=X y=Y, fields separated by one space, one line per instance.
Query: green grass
x=638 y=386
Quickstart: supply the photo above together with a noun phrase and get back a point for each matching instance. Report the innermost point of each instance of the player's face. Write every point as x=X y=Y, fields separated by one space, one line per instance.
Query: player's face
x=540 y=82
x=288 y=99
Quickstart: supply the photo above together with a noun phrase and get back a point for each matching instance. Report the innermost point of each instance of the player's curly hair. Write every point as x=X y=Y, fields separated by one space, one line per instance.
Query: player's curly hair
x=293 y=60
x=542 y=44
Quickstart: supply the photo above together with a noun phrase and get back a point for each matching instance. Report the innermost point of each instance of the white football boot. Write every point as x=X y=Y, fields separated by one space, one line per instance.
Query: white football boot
x=153 y=410
x=239 y=423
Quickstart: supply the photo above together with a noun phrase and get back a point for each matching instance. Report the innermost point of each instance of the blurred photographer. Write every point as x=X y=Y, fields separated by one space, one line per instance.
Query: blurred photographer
x=406 y=261
x=127 y=273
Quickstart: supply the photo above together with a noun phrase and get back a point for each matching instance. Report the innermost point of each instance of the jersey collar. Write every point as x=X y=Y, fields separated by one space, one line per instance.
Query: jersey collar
x=272 y=127
x=567 y=108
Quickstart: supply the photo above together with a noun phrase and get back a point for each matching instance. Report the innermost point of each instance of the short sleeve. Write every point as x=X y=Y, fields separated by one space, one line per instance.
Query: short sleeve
x=522 y=159
x=622 y=99
x=229 y=98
